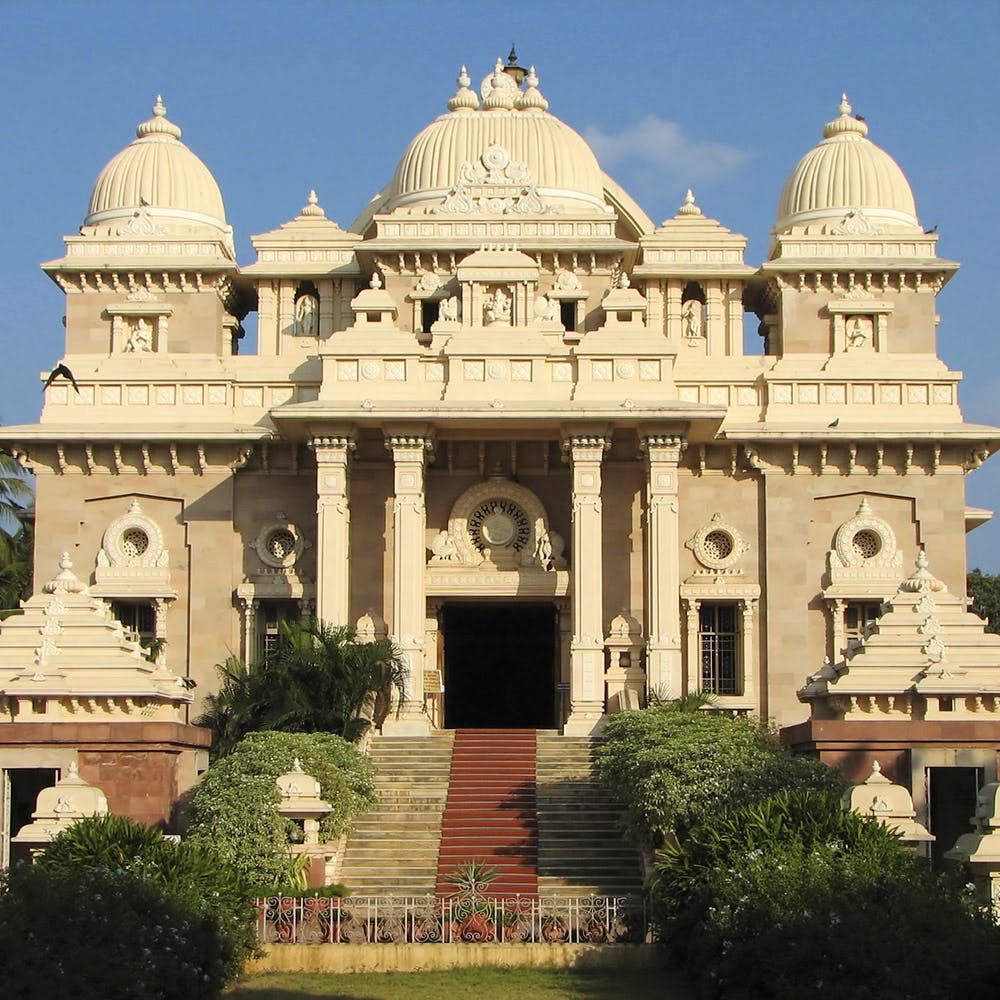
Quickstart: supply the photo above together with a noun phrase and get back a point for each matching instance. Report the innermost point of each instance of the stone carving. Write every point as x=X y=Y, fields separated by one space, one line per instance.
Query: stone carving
x=855 y=223
x=494 y=184
x=131 y=542
x=428 y=283
x=865 y=542
x=546 y=309
x=859 y=332
x=140 y=340
x=693 y=316
x=306 y=315
x=279 y=543
x=543 y=551
x=567 y=281
x=141 y=225
x=451 y=309
x=443 y=548
x=497 y=308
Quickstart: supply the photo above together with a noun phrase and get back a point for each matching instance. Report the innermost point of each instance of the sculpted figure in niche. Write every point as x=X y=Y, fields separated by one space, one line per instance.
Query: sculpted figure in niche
x=546 y=309
x=443 y=548
x=306 y=315
x=451 y=309
x=543 y=552
x=693 y=317
x=140 y=340
x=858 y=332
x=497 y=308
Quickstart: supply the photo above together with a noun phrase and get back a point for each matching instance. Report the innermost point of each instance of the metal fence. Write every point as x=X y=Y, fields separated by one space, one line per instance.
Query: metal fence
x=444 y=919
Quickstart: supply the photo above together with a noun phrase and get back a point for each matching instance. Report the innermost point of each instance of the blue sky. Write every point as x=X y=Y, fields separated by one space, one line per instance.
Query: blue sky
x=722 y=97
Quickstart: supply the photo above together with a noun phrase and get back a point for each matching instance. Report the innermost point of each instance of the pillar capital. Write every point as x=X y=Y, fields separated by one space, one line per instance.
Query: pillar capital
x=334 y=447
x=659 y=446
x=586 y=446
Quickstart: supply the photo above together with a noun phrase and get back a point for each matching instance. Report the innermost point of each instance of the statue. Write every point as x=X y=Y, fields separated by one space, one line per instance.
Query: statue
x=546 y=309
x=443 y=548
x=543 y=552
x=306 y=314
x=692 y=313
x=857 y=332
x=451 y=309
x=140 y=341
x=497 y=308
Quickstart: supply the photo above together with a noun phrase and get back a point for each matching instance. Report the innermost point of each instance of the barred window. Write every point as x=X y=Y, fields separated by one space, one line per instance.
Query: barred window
x=138 y=617
x=719 y=642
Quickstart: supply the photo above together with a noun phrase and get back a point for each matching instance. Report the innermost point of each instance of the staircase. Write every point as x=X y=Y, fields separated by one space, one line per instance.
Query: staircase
x=580 y=847
x=393 y=850
x=490 y=814
x=526 y=803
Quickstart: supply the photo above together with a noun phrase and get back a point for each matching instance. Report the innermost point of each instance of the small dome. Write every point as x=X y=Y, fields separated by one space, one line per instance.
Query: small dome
x=846 y=174
x=510 y=140
x=159 y=173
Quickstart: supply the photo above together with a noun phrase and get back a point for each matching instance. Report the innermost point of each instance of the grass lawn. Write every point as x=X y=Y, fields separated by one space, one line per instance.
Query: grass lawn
x=469 y=984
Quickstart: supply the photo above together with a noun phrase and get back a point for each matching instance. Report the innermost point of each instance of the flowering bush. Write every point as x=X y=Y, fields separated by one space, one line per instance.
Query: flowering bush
x=97 y=933
x=797 y=895
x=670 y=768
x=234 y=810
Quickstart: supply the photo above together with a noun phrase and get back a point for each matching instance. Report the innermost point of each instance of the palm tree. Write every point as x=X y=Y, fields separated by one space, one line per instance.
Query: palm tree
x=320 y=679
x=15 y=497
x=16 y=569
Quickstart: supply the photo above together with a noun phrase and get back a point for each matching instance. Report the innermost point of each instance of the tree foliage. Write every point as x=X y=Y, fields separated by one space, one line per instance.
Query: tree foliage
x=16 y=569
x=234 y=810
x=320 y=679
x=984 y=589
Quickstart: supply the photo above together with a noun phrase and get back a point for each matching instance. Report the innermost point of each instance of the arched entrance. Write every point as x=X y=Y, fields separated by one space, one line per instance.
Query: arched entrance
x=500 y=664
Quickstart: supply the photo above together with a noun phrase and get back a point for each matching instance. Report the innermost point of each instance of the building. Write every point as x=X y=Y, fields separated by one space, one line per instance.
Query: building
x=507 y=420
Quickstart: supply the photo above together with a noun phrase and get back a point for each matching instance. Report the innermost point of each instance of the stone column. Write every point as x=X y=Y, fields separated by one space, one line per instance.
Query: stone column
x=663 y=628
x=250 y=606
x=409 y=600
x=333 y=527
x=586 y=693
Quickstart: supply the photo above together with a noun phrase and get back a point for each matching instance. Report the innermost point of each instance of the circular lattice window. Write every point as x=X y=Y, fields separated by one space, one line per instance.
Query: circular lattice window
x=281 y=544
x=717 y=545
x=866 y=544
x=134 y=543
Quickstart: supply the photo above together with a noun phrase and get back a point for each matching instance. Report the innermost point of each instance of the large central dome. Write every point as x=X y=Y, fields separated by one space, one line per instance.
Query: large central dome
x=505 y=154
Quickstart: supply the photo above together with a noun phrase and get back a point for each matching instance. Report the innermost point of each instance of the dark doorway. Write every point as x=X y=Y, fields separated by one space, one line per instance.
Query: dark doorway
x=499 y=666
x=951 y=792
x=24 y=785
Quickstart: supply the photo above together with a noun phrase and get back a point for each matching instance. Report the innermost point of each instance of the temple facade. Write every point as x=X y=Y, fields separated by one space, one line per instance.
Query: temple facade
x=508 y=421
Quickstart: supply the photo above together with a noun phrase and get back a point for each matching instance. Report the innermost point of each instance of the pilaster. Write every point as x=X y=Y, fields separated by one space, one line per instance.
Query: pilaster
x=333 y=527
x=585 y=453
x=409 y=458
x=663 y=627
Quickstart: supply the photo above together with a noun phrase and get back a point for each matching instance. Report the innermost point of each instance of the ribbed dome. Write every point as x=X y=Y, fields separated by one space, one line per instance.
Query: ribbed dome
x=510 y=141
x=844 y=173
x=159 y=172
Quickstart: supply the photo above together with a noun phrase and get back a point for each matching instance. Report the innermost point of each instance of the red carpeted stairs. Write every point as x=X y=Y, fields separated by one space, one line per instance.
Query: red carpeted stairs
x=491 y=811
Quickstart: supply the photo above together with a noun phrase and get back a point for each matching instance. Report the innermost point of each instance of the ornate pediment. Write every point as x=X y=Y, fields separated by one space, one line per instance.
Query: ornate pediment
x=495 y=185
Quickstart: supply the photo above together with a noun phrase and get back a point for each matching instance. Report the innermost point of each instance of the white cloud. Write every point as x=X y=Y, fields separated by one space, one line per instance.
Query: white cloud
x=656 y=142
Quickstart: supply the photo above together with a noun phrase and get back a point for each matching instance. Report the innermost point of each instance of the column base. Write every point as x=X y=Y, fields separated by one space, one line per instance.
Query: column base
x=407 y=726
x=585 y=724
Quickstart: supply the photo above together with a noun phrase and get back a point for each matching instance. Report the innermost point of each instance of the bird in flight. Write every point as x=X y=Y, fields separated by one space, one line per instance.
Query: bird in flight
x=60 y=370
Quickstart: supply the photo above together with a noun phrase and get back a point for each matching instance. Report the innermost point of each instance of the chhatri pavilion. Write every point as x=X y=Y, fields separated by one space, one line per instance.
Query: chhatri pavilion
x=507 y=420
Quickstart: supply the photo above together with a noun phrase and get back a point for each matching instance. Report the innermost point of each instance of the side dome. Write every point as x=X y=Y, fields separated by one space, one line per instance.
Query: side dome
x=507 y=155
x=159 y=174
x=846 y=182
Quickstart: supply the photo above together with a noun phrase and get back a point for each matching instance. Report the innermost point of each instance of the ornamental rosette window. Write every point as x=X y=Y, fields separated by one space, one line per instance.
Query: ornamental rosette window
x=718 y=546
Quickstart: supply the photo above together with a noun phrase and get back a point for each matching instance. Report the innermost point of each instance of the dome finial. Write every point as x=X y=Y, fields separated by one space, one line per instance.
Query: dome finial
x=689 y=207
x=846 y=124
x=503 y=90
x=531 y=98
x=465 y=98
x=515 y=72
x=312 y=207
x=159 y=124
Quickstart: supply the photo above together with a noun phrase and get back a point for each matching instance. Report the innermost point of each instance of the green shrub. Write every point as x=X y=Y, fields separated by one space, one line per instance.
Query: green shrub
x=190 y=873
x=795 y=895
x=234 y=808
x=669 y=768
x=94 y=933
